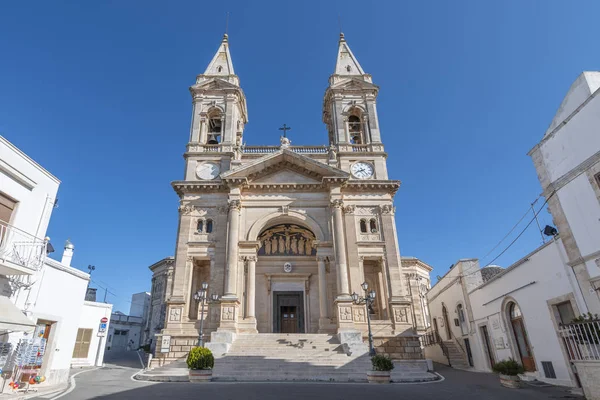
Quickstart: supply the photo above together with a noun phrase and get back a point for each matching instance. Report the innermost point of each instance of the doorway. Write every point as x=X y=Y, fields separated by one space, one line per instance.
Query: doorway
x=520 y=335
x=447 y=323
x=488 y=345
x=288 y=312
x=289 y=319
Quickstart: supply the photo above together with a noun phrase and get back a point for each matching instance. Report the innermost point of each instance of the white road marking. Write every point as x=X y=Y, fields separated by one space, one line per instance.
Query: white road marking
x=72 y=383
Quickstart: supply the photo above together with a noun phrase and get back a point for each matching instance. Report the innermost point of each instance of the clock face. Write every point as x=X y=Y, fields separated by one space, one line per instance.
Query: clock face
x=207 y=170
x=362 y=170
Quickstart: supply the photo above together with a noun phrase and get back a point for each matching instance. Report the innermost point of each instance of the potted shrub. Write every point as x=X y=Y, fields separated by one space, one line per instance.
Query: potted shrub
x=509 y=371
x=382 y=367
x=200 y=362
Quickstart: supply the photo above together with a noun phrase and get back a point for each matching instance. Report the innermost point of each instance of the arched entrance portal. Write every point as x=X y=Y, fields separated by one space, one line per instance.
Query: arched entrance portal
x=286 y=261
x=520 y=335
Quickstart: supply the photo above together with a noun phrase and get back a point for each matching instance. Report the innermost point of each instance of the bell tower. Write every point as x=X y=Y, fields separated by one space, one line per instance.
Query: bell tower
x=350 y=113
x=219 y=114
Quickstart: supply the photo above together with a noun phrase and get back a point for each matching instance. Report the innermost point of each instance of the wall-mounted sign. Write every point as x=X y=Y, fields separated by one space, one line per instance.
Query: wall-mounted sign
x=499 y=342
x=165 y=344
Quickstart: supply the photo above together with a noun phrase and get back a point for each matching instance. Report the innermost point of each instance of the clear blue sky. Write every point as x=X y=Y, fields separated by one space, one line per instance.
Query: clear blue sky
x=97 y=92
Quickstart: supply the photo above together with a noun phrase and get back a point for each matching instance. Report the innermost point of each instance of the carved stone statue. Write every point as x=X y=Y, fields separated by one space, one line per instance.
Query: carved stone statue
x=285 y=142
x=267 y=243
x=301 y=246
x=281 y=245
x=294 y=245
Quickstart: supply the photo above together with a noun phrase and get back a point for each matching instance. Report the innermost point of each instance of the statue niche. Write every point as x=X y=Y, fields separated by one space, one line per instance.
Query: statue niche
x=286 y=239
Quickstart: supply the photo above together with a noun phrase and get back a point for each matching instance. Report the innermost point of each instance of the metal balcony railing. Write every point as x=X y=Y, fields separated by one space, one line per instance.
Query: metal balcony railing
x=20 y=248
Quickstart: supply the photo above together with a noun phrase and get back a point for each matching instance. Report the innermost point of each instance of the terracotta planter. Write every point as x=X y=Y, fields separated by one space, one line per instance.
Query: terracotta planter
x=200 y=375
x=510 y=381
x=378 y=376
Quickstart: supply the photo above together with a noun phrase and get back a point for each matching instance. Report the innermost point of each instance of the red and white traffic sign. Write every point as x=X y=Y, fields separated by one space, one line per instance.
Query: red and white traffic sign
x=104 y=320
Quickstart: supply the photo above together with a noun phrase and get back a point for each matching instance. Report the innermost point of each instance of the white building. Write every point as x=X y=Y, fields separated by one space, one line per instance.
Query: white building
x=90 y=344
x=523 y=312
x=567 y=161
x=127 y=332
x=38 y=323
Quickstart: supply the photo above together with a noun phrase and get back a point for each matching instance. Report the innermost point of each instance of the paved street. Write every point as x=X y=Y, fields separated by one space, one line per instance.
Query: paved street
x=114 y=382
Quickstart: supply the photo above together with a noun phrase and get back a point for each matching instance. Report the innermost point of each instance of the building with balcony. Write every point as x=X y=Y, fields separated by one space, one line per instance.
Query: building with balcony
x=39 y=321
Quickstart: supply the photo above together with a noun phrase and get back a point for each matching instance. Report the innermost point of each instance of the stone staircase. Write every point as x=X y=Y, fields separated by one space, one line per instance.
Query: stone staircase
x=456 y=355
x=290 y=357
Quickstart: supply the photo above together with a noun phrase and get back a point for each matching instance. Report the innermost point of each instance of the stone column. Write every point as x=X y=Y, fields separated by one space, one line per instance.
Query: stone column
x=322 y=288
x=232 y=250
x=340 y=250
x=251 y=289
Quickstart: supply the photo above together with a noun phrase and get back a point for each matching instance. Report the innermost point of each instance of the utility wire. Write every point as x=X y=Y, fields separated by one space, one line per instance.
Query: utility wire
x=511 y=230
x=523 y=231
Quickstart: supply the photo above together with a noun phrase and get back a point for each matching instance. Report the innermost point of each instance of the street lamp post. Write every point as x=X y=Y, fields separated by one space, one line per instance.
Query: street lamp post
x=367 y=300
x=201 y=296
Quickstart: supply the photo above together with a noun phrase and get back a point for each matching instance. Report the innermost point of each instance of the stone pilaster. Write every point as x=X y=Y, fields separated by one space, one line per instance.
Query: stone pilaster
x=232 y=250
x=340 y=250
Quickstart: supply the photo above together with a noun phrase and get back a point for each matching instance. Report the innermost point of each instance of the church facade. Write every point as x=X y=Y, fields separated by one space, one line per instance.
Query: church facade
x=285 y=234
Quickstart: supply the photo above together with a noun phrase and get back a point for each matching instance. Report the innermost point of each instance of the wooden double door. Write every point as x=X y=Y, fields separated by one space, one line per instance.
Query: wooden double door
x=288 y=312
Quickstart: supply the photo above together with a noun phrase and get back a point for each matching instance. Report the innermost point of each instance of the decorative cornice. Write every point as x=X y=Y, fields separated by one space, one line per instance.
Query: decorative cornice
x=390 y=187
x=183 y=187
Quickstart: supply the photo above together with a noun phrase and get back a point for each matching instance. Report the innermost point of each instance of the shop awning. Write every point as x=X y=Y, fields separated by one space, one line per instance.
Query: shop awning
x=13 y=319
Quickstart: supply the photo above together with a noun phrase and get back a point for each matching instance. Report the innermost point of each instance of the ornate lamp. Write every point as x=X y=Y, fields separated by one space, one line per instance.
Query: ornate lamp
x=367 y=300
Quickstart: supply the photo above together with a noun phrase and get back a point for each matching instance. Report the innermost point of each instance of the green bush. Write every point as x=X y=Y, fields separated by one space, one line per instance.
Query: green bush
x=382 y=363
x=508 y=367
x=200 y=358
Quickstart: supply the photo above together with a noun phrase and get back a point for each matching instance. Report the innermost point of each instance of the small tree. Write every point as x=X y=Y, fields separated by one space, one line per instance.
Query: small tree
x=200 y=358
x=508 y=367
x=382 y=363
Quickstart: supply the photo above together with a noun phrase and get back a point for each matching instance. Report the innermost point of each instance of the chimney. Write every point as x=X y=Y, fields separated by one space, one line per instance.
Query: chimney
x=67 y=254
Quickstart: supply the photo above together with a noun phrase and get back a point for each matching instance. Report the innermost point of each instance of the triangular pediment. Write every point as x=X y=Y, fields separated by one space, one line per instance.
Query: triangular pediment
x=287 y=176
x=215 y=84
x=354 y=84
x=285 y=167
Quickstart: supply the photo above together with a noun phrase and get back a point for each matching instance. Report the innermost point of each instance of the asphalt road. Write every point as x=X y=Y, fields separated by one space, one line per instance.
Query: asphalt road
x=114 y=382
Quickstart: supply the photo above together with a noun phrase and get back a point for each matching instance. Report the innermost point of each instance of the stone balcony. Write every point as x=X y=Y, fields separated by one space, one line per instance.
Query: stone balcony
x=20 y=252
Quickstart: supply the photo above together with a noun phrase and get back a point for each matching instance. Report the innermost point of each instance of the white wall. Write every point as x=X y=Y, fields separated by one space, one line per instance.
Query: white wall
x=50 y=303
x=90 y=319
x=574 y=142
x=531 y=282
x=449 y=291
x=30 y=185
x=140 y=303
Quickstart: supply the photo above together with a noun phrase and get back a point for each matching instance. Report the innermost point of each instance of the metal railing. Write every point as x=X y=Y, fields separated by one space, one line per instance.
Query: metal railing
x=582 y=340
x=433 y=338
x=21 y=248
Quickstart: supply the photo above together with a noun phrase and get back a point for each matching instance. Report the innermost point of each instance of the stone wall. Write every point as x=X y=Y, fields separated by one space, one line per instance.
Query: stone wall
x=399 y=347
x=589 y=376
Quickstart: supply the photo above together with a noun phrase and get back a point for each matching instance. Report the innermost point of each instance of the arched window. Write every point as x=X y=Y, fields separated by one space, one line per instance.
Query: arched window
x=355 y=129
x=214 y=128
x=363 y=226
x=373 y=225
x=209 y=226
x=514 y=311
x=200 y=226
x=219 y=68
